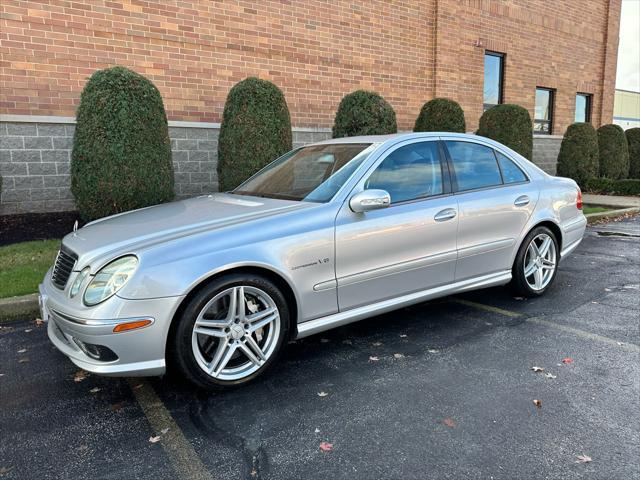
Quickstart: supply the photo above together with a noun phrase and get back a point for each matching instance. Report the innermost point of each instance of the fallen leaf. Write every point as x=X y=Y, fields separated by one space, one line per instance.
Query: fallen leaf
x=537 y=369
x=253 y=472
x=583 y=459
x=118 y=406
x=538 y=403
x=5 y=470
x=620 y=343
x=398 y=355
x=1 y=374
x=567 y=360
x=373 y=359
x=519 y=298
x=347 y=342
x=39 y=322
x=80 y=376
x=164 y=430
x=607 y=289
x=322 y=394
x=22 y=350
x=432 y=350
x=449 y=422
x=549 y=375
x=28 y=330
x=155 y=439
x=402 y=335
x=324 y=340
x=137 y=386
x=376 y=344
x=317 y=430
x=326 y=446
x=23 y=360
x=95 y=390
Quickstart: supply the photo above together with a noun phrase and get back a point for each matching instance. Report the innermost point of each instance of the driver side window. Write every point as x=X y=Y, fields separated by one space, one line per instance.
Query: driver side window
x=410 y=172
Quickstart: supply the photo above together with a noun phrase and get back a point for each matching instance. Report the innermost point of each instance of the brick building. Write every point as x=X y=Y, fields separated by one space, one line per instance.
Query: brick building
x=557 y=62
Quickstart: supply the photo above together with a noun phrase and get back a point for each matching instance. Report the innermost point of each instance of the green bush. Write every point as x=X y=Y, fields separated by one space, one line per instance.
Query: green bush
x=510 y=125
x=633 y=142
x=613 y=187
x=440 y=115
x=578 y=157
x=614 y=152
x=255 y=130
x=364 y=113
x=121 y=157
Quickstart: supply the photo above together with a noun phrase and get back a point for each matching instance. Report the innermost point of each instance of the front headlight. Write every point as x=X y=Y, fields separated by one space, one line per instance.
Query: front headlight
x=75 y=288
x=109 y=280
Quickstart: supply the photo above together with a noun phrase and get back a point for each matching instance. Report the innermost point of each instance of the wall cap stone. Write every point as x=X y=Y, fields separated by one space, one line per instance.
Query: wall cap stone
x=172 y=123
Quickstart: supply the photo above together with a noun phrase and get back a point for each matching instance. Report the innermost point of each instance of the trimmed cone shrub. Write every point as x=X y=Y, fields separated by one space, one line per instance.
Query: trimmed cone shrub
x=510 y=125
x=121 y=157
x=633 y=142
x=364 y=113
x=440 y=115
x=614 y=152
x=578 y=157
x=255 y=130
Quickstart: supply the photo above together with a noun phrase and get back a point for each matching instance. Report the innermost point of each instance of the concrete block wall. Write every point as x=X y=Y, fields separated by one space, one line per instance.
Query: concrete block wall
x=545 y=152
x=35 y=162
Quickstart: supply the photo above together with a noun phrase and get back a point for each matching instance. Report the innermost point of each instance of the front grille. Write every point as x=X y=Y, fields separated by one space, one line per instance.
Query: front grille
x=65 y=261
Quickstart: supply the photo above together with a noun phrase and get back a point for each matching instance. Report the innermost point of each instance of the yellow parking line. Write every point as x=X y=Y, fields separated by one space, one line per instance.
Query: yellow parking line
x=184 y=460
x=487 y=308
x=540 y=321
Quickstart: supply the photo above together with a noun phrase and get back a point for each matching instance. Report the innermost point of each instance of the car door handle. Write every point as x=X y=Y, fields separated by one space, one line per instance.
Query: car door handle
x=446 y=214
x=522 y=201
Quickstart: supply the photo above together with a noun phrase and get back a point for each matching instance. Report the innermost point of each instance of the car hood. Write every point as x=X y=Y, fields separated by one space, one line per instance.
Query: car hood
x=130 y=231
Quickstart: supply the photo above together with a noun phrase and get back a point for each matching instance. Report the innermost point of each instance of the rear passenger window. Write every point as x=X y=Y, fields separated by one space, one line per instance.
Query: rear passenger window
x=410 y=172
x=511 y=173
x=475 y=165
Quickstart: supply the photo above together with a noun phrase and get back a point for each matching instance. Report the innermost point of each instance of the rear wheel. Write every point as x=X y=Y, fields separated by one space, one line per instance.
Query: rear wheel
x=535 y=266
x=231 y=331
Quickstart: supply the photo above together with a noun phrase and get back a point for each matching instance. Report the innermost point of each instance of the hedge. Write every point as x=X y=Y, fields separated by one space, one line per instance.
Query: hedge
x=121 y=158
x=613 y=187
x=578 y=157
x=614 y=152
x=255 y=130
x=364 y=113
x=510 y=125
x=440 y=115
x=633 y=142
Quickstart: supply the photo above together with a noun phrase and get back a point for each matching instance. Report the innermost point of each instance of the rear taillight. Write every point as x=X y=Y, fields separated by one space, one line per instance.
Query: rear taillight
x=579 y=200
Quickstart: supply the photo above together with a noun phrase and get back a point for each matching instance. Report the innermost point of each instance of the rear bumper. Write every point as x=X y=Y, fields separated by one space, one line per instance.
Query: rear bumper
x=132 y=353
x=572 y=234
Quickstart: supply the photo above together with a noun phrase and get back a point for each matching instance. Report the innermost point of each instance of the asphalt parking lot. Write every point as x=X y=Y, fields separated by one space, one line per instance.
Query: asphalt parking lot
x=440 y=390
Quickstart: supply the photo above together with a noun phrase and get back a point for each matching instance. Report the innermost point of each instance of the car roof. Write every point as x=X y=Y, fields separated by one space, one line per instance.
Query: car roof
x=393 y=136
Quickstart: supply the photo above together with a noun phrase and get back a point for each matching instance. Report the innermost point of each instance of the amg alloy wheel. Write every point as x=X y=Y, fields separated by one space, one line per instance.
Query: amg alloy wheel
x=536 y=263
x=234 y=328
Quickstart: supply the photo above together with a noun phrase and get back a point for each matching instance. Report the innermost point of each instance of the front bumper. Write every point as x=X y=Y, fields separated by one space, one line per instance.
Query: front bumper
x=132 y=353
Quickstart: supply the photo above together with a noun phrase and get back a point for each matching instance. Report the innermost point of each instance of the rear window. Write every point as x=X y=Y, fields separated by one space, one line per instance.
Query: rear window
x=475 y=165
x=511 y=173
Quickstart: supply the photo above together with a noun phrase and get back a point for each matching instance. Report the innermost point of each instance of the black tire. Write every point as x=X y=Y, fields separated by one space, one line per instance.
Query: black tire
x=180 y=353
x=519 y=283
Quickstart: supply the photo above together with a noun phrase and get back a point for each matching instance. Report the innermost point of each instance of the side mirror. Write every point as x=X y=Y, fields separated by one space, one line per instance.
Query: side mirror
x=370 y=200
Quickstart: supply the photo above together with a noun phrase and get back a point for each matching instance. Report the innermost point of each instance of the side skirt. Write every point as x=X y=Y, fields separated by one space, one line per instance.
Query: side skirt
x=318 y=325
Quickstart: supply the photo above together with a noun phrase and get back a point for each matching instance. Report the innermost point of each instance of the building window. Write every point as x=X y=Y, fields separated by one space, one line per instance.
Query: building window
x=543 y=122
x=493 y=77
x=583 y=107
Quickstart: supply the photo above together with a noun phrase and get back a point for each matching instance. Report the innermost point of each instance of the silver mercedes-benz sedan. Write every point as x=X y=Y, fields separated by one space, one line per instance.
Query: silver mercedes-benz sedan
x=331 y=233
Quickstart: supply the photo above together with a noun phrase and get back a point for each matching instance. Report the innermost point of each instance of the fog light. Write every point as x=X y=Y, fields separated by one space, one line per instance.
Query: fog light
x=125 y=327
x=97 y=352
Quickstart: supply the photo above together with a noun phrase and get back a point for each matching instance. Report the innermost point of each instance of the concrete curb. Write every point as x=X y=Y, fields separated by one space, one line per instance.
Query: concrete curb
x=17 y=308
x=596 y=217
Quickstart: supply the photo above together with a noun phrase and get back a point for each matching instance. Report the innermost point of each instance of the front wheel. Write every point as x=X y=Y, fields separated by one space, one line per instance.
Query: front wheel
x=535 y=267
x=231 y=331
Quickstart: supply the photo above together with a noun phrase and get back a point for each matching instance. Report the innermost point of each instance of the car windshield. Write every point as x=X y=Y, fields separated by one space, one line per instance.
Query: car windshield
x=311 y=174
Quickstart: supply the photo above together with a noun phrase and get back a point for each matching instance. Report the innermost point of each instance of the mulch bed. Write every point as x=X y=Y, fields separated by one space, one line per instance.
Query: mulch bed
x=36 y=226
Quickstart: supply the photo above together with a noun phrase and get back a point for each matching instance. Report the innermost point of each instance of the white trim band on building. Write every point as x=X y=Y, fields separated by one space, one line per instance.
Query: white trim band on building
x=172 y=123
